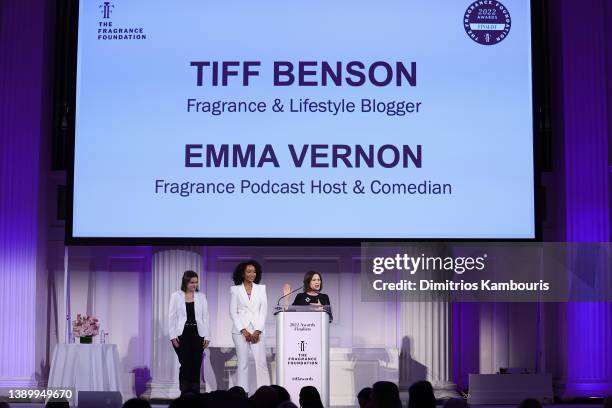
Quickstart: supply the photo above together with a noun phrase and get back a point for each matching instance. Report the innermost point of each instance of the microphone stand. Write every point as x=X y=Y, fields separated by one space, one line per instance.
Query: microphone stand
x=284 y=296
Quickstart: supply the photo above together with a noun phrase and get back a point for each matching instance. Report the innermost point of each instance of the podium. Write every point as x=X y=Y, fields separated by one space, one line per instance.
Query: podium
x=302 y=349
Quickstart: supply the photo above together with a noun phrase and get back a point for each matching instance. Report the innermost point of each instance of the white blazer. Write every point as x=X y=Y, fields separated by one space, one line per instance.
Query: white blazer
x=245 y=311
x=177 y=315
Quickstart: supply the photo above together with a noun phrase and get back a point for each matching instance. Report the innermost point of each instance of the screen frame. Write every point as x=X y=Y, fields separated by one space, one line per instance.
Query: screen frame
x=540 y=98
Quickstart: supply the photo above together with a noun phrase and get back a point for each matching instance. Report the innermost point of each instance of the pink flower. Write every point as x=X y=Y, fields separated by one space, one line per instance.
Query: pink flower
x=85 y=325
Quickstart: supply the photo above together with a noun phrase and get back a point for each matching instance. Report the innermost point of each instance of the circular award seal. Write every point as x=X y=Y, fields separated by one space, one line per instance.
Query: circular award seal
x=487 y=22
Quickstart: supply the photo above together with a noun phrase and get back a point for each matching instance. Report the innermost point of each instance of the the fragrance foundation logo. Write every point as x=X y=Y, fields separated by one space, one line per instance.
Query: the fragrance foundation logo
x=302 y=357
x=107 y=9
x=487 y=22
x=109 y=30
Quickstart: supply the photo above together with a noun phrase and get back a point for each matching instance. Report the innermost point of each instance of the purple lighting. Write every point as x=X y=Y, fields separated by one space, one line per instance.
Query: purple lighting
x=586 y=126
x=22 y=93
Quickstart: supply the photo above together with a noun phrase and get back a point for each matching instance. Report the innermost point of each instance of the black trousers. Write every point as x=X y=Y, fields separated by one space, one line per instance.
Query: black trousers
x=189 y=353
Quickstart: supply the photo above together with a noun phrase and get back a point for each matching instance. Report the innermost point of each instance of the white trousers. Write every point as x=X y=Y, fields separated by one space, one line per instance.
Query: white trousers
x=261 y=365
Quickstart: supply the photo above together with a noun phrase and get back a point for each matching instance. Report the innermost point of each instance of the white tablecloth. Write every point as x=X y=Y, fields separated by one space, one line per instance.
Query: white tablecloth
x=85 y=367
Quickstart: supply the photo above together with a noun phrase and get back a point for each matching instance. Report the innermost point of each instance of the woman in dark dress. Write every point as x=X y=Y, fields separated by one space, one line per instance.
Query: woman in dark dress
x=313 y=284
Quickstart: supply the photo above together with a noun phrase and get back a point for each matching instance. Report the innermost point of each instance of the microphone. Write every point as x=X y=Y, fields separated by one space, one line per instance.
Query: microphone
x=284 y=296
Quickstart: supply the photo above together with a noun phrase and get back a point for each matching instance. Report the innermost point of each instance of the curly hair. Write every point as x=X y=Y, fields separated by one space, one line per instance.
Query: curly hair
x=238 y=275
x=308 y=277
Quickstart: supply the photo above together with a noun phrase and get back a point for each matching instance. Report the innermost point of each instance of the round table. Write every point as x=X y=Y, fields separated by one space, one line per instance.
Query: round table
x=85 y=367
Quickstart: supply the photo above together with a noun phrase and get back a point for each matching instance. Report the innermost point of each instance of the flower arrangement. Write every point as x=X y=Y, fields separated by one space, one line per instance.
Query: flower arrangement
x=85 y=326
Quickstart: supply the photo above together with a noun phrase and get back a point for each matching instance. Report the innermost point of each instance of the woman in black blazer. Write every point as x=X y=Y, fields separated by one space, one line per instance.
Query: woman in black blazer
x=313 y=284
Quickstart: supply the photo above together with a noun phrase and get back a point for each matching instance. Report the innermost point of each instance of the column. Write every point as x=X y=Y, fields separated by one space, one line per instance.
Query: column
x=22 y=250
x=586 y=99
x=425 y=349
x=168 y=267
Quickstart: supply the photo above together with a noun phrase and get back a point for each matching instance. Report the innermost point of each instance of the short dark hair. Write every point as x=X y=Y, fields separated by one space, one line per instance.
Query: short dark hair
x=421 y=395
x=310 y=397
x=187 y=276
x=61 y=403
x=530 y=403
x=238 y=391
x=363 y=397
x=365 y=393
x=386 y=394
x=136 y=403
x=308 y=277
x=238 y=275
x=283 y=394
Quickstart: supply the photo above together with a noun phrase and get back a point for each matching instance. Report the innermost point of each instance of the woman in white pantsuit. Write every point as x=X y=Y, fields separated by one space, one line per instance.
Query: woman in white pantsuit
x=248 y=309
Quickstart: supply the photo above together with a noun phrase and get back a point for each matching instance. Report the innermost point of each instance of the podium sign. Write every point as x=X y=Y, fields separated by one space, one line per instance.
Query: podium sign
x=302 y=356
